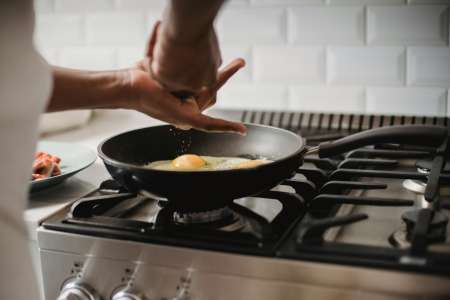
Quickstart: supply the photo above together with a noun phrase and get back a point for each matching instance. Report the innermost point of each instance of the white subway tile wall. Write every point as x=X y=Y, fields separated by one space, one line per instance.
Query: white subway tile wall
x=408 y=100
x=137 y=5
x=327 y=99
x=429 y=66
x=59 y=30
x=99 y=58
x=289 y=64
x=423 y=25
x=82 y=6
x=114 y=29
x=242 y=96
x=258 y=25
x=366 y=66
x=229 y=53
x=356 y=56
x=326 y=25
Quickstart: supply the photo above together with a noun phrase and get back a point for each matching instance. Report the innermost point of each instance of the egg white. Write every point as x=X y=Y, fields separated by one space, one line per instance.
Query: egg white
x=212 y=163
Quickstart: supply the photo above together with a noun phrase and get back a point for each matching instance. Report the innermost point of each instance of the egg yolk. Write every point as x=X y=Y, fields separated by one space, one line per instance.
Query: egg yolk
x=252 y=163
x=188 y=161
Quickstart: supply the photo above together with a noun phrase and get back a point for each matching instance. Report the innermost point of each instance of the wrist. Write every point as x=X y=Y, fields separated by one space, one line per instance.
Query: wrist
x=178 y=35
x=188 y=21
x=122 y=92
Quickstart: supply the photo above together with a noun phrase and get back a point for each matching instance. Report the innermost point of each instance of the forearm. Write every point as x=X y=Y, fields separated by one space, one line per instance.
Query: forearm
x=77 y=89
x=190 y=20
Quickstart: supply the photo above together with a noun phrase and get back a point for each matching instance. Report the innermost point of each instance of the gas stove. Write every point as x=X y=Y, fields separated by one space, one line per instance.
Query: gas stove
x=372 y=223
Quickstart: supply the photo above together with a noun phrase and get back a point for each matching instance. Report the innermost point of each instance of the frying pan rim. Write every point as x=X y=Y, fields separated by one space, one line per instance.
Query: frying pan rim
x=133 y=167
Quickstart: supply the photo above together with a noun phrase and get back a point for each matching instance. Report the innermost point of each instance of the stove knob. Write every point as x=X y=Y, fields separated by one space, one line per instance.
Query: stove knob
x=183 y=289
x=127 y=293
x=75 y=290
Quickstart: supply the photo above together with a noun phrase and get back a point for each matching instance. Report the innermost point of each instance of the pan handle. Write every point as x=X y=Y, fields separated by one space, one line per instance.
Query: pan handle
x=417 y=135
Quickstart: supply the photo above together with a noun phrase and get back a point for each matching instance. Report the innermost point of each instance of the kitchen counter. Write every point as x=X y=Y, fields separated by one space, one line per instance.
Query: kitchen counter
x=103 y=125
x=42 y=204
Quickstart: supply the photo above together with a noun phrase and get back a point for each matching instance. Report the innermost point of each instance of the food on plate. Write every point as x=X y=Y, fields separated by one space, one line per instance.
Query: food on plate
x=192 y=162
x=45 y=165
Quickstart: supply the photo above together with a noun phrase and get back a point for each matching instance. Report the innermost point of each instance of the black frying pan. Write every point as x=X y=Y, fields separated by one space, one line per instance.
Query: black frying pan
x=125 y=154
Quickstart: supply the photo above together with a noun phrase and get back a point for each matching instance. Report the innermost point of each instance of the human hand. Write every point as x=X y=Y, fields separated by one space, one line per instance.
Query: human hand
x=184 y=65
x=154 y=100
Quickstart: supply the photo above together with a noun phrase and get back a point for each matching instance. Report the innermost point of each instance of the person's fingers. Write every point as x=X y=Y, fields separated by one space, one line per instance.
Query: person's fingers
x=203 y=98
x=210 y=103
x=152 y=41
x=162 y=105
x=207 y=96
x=206 y=123
x=227 y=72
x=143 y=65
x=188 y=115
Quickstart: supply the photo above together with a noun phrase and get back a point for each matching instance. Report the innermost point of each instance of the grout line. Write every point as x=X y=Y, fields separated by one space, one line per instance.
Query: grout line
x=366 y=25
x=84 y=30
x=448 y=26
x=327 y=68
x=252 y=64
x=286 y=25
x=405 y=64
x=116 y=57
x=447 y=104
x=365 y=99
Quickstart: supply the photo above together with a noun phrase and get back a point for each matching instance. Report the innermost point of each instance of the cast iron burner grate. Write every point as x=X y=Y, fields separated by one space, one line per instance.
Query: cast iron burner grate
x=422 y=228
x=234 y=227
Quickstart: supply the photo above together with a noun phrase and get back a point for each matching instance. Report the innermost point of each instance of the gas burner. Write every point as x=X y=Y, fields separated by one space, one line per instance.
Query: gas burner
x=202 y=217
x=426 y=164
x=398 y=238
x=418 y=187
x=224 y=219
x=415 y=186
x=402 y=237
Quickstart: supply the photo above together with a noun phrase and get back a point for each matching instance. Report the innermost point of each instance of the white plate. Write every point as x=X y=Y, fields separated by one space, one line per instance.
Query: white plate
x=74 y=158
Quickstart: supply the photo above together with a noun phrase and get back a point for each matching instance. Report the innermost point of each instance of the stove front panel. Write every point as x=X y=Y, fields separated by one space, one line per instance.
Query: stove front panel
x=157 y=271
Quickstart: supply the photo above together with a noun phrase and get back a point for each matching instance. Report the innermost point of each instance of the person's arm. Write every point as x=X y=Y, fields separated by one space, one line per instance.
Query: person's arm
x=135 y=89
x=187 y=21
x=186 y=55
x=77 y=89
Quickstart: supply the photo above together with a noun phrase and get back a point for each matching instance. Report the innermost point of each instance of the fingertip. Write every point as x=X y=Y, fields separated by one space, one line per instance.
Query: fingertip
x=241 y=129
x=235 y=64
x=236 y=128
x=242 y=62
x=206 y=123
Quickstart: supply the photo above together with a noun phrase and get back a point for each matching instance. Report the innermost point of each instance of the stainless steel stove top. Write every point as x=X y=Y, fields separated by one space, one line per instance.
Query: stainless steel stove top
x=344 y=228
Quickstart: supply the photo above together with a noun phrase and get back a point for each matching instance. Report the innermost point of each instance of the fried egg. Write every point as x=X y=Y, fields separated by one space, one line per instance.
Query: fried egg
x=192 y=162
x=188 y=162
